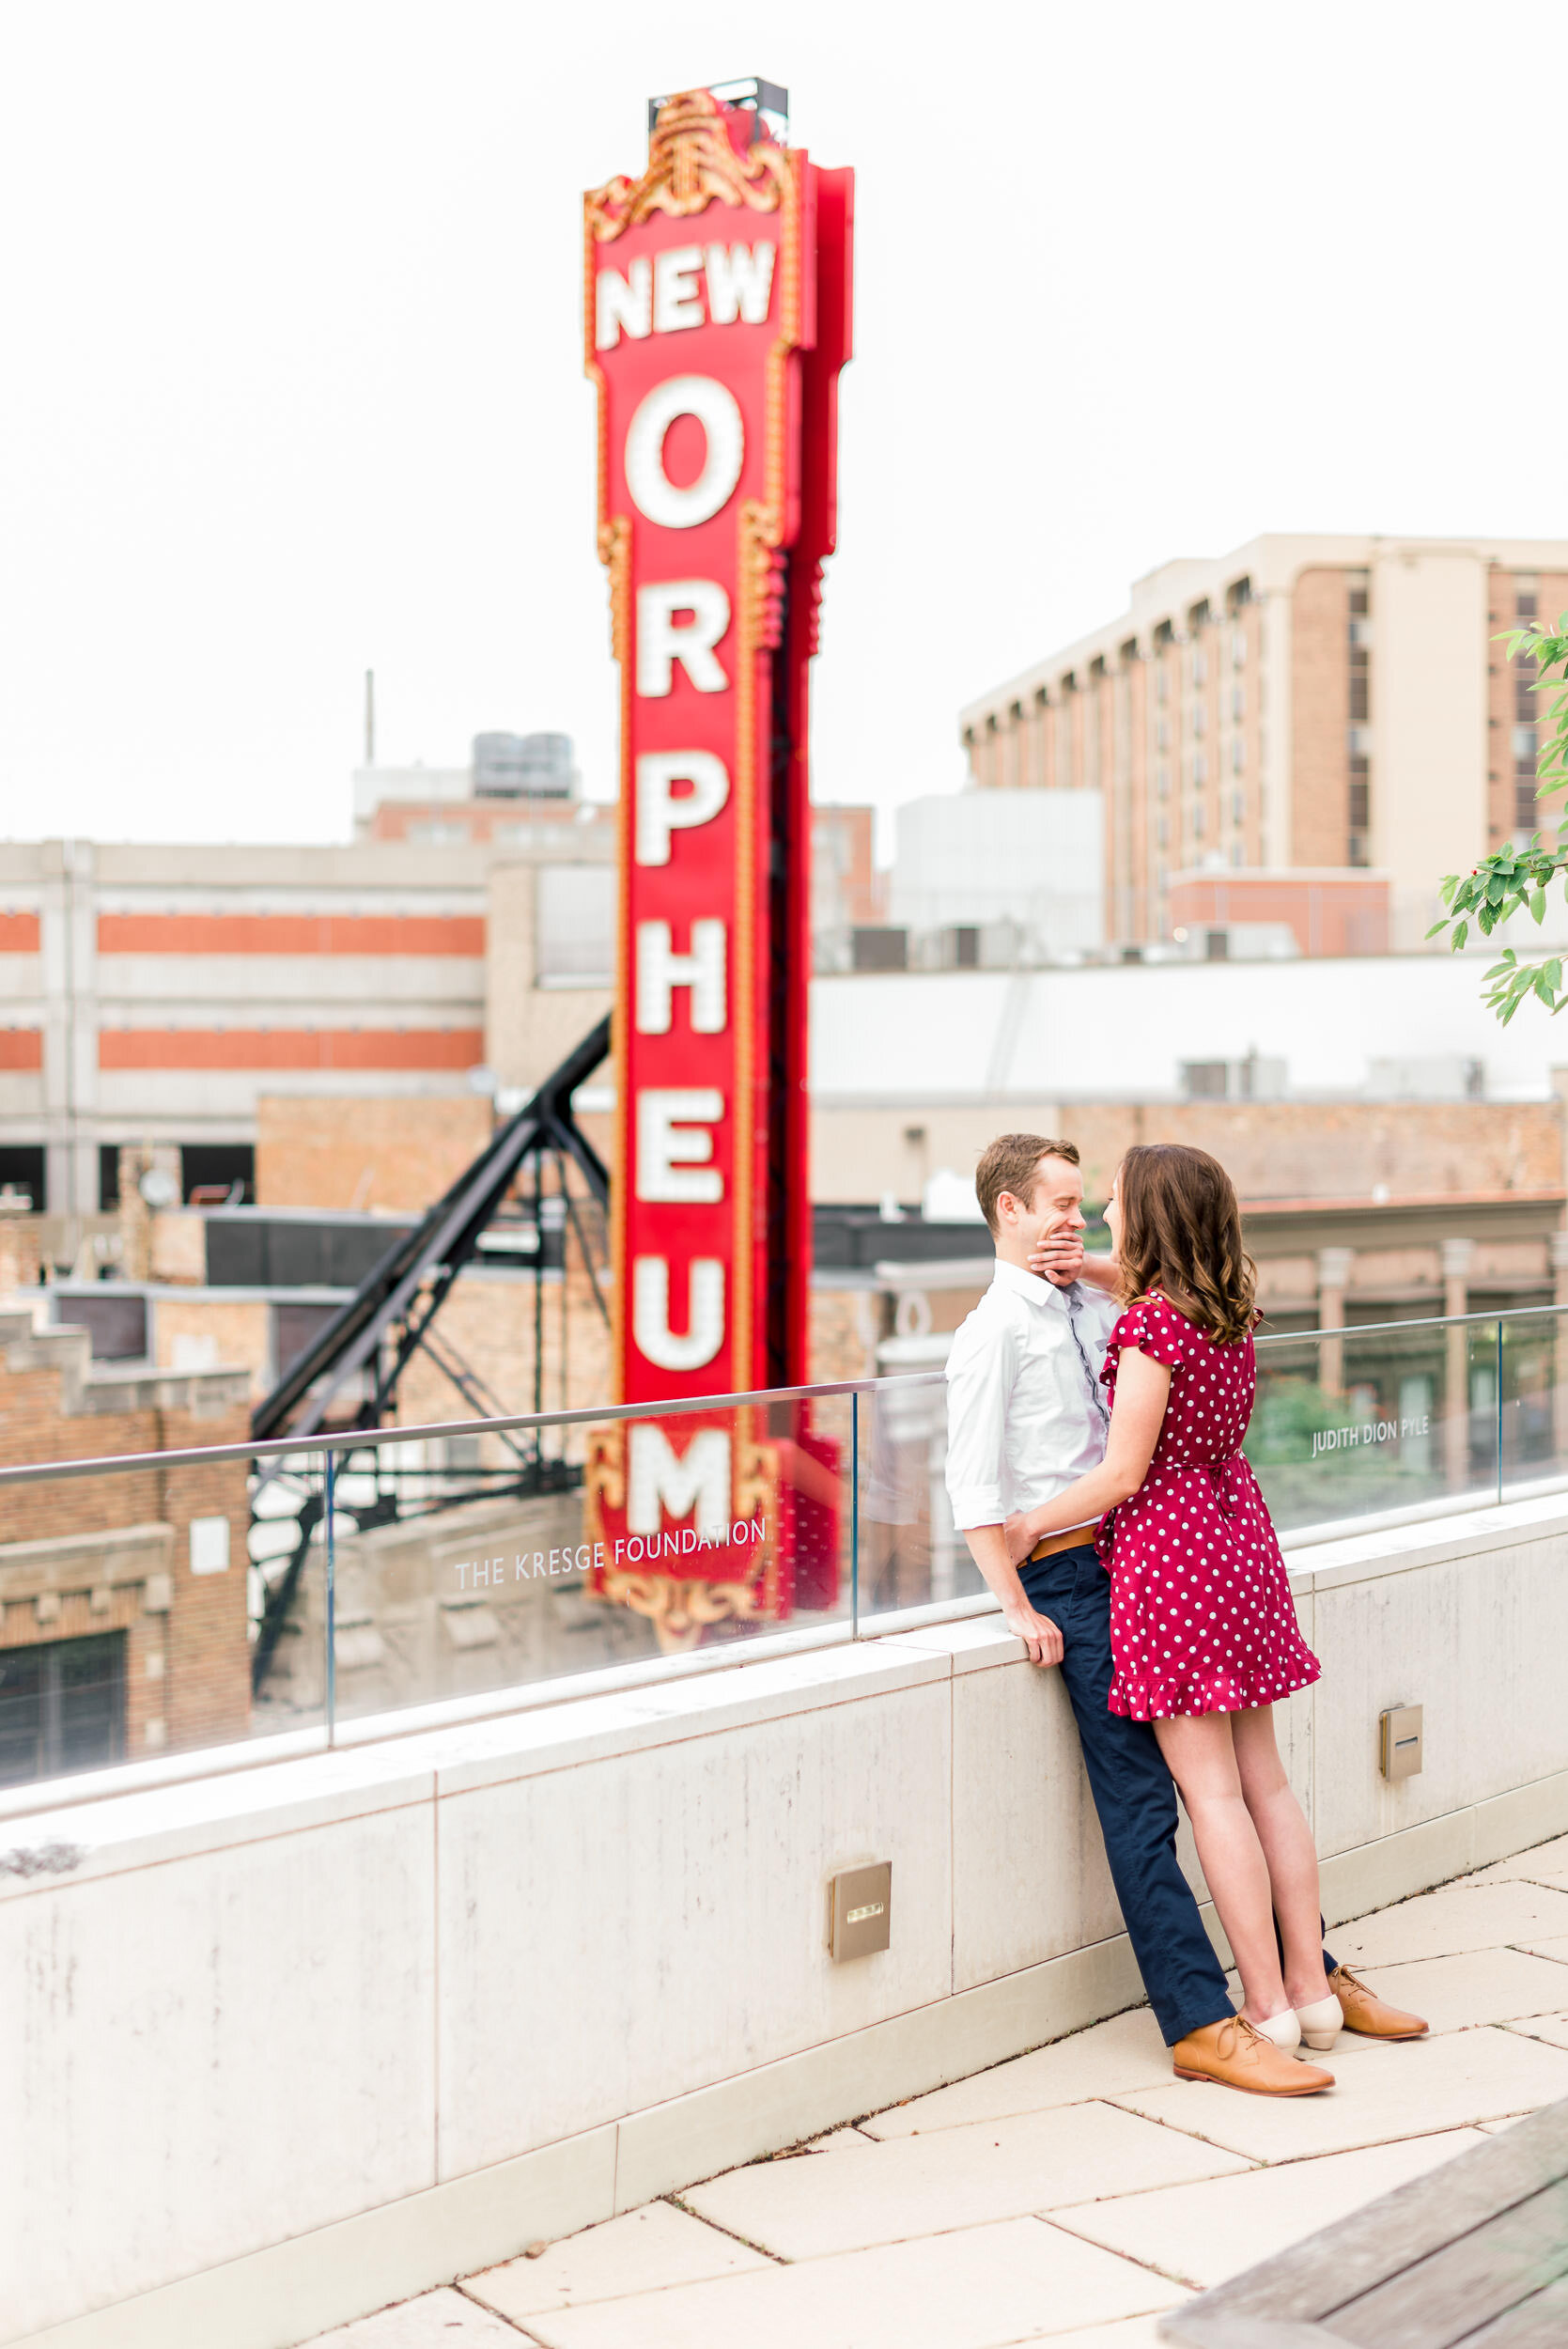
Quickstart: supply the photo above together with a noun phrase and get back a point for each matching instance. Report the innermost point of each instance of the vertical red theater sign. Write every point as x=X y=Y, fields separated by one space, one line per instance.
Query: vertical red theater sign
x=717 y=301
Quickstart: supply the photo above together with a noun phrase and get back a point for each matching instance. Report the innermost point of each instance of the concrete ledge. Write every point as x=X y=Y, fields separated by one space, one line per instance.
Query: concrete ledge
x=278 y=2296
x=291 y=2291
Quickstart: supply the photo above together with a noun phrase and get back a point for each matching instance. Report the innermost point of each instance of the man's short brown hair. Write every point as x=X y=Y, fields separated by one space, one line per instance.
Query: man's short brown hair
x=1008 y=1163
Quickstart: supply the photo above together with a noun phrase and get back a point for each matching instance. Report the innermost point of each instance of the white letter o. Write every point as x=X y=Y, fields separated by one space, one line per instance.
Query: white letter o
x=716 y=410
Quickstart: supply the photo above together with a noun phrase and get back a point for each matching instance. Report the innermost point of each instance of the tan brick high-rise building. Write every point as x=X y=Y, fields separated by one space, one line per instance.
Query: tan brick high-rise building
x=1301 y=708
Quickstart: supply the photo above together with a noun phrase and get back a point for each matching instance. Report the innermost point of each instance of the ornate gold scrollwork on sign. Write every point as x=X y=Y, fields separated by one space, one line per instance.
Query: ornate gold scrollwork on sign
x=679 y=1611
x=691 y=164
x=614 y=552
x=604 y=1471
x=762 y=570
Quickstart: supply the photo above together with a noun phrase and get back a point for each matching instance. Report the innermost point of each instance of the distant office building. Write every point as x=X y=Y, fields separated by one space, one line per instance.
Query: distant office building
x=1301 y=706
x=1013 y=880
x=154 y=994
x=517 y=789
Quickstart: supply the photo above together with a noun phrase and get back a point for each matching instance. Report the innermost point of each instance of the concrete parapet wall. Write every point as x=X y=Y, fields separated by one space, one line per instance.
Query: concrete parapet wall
x=304 y=2039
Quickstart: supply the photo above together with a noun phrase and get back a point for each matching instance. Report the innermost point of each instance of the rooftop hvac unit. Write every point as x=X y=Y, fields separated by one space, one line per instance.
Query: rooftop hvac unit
x=523 y=767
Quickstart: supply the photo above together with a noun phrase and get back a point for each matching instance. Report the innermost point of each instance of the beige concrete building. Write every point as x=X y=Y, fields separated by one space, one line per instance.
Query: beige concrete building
x=1297 y=705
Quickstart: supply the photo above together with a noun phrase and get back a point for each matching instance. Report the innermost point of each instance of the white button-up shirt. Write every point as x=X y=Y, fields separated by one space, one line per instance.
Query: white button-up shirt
x=1026 y=1411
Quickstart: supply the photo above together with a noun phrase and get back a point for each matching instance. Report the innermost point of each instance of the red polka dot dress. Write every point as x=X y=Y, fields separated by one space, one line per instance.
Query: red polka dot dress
x=1201 y=1618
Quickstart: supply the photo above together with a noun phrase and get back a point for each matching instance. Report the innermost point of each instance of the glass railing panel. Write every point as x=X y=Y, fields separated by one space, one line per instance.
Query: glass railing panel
x=133 y=1601
x=288 y=1593
x=1531 y=1351
x=911 y=1554
x=539 y=1553
x=1355 y=1421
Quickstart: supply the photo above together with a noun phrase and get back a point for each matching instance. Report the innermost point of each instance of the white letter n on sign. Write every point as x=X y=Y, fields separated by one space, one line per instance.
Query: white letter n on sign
x=658 y=1481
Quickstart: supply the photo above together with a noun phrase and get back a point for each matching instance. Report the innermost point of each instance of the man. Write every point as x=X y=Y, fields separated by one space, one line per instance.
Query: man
x=1027 y=1415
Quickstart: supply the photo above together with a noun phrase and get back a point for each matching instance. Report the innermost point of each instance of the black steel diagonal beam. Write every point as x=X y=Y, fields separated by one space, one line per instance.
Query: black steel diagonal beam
x=447 y=1236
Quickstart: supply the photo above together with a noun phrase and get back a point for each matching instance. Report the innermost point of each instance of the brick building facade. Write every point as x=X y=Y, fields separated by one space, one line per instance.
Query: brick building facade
x=1298 y=706
x=123 y=1626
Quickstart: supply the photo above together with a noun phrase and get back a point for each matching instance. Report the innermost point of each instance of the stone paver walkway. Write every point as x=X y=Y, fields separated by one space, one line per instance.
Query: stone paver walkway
x=1067 y=2196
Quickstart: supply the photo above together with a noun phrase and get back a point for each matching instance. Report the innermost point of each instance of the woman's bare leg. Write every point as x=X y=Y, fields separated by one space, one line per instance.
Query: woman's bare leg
x=1287 y=1846
x=1202 y=1759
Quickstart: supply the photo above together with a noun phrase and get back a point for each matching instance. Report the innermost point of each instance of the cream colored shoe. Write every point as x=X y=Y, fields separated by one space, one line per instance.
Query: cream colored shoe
x=1282 y=2031
x=1320 y=2023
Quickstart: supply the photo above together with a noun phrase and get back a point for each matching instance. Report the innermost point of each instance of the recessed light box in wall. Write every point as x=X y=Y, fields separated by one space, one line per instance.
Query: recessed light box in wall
x=860 y=1911
x=1399 y=1741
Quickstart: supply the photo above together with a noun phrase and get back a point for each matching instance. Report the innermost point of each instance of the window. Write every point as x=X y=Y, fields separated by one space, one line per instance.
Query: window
x=1238 y=756
x=1200 y=767
x=1238 y=703
x=1162 y=832
x=1162 y=734
x=1199 y=719
x=1162 y=685
x=1359 y=585
x=1360 y=817
x=1198 y=822
x=881 y=949
x=218 y=1173
x=22 y=1166
x=1528 y=810
x=114 y=1318
x=1238 y=852
x=1238 y=648
x=1163 y=782
x=1526 y=699
x=1527 y=599
x=1526 y=747
x=1205 y=1080
x=1200 y=666
x=62 y=1706
x=1238 y=594
x=576 y=916
x=1239 y=807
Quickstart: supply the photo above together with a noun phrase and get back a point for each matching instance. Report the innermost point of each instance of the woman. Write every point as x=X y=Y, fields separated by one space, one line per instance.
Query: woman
x=1202 y=1627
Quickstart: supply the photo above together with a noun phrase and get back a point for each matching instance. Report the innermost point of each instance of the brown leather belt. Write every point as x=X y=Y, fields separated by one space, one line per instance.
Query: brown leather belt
x=1076 y=1538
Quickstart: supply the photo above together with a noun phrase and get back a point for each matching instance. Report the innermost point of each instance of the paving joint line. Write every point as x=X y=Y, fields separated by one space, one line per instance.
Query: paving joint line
x=1189 y=2283
x=676 y=2202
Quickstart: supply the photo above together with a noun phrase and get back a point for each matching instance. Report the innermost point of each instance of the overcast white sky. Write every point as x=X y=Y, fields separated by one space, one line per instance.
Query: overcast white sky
x=293 y=381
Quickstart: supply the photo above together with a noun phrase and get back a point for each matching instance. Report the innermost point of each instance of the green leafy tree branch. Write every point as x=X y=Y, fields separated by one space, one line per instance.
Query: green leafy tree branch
x=1515 y=878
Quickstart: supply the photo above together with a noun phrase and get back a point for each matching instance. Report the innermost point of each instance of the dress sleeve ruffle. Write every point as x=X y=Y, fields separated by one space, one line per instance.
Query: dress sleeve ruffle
x=1149 y=1327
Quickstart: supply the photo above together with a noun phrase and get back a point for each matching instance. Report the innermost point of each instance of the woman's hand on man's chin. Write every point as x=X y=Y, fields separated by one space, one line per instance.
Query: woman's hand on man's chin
x=1058 y=1258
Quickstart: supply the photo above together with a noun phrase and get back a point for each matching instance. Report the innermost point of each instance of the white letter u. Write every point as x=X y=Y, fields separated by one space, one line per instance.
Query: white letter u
x=650 y=1314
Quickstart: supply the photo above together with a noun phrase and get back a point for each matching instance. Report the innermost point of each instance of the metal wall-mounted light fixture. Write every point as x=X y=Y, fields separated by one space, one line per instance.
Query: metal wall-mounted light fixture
x=860 y=1911
x=1399 y=1741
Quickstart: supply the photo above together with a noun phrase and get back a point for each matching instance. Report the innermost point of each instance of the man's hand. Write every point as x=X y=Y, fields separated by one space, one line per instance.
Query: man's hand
x=1039 y=1632
x=1058 y=1258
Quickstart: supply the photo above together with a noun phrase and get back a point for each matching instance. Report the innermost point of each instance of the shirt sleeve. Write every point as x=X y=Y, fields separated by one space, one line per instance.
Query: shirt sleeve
x=1149 y=1327
x=980 y=1373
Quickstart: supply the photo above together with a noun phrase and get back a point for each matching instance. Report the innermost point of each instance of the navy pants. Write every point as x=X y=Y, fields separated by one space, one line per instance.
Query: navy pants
x=1136 y=1798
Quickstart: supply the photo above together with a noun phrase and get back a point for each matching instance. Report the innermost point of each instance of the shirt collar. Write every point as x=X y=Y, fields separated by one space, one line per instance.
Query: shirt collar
x=1029 y=1285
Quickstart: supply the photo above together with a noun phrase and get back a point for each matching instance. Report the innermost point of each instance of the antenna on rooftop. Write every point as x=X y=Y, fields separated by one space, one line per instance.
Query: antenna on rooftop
x=370 y=717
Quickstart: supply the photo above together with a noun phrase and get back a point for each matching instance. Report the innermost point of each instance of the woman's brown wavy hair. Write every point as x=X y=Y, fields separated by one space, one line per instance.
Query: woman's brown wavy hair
x=1181 y=1233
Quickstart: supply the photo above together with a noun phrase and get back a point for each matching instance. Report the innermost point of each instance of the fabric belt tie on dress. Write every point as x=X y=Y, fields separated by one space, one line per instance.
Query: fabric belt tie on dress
x=1076 y=1538
x=1221 y=1475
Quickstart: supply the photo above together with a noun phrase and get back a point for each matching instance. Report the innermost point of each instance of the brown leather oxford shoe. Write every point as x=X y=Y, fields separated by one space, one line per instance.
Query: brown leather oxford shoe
x=1233 y=2055
x=1366 y=2012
